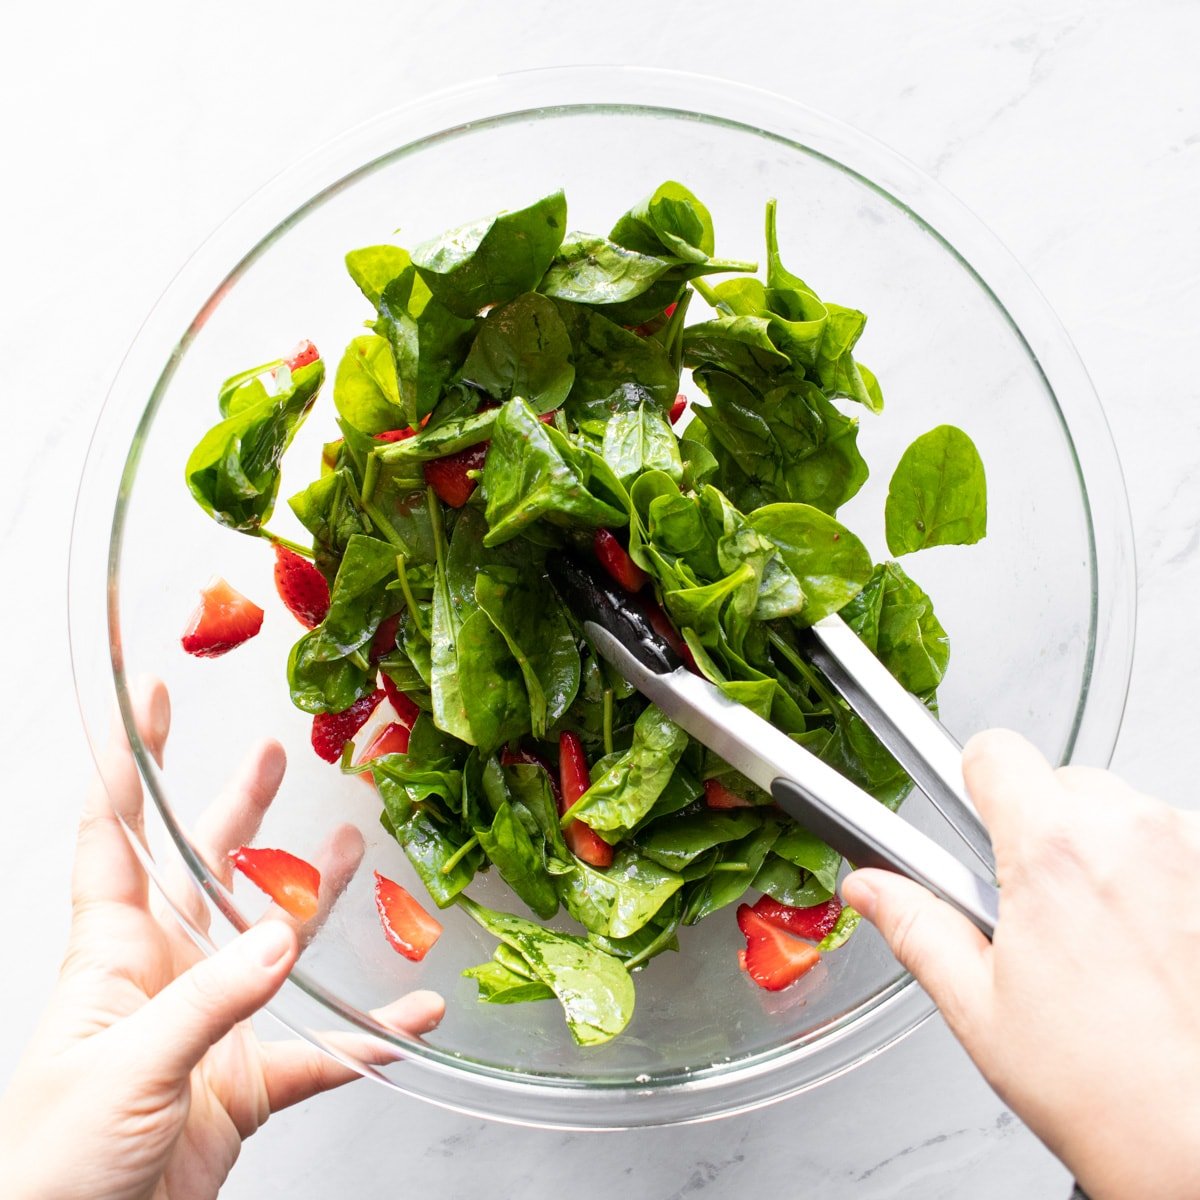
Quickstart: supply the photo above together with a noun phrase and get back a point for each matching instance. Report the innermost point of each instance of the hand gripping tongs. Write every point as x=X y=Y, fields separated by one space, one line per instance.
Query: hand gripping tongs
x=822 y=800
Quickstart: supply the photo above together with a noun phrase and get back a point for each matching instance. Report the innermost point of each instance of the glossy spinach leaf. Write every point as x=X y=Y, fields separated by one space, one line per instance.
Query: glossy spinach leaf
x=533 y=471
x=894 y=616
x=622 y=795
x=733 y=873
x=490 y=683
x=499 y=984
x=434 y=849
x=374 y=267
x=789 y=884
x=319 y=684
x=523 y=349
x=329 y=509
x=620 y=900
x=640 y=439
x=521 y=864
x=938 y=493
x=831 y=564
x=802 y=849
x=676 y=842
x=359 y=598
x=365 y=391
x=594 y=988
x=847 y=923
x=233 y=473
x=589 y=269
x=494 y=259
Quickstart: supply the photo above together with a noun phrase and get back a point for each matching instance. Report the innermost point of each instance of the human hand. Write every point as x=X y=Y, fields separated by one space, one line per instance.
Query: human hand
x=145 y=1075
x=1084 y=1011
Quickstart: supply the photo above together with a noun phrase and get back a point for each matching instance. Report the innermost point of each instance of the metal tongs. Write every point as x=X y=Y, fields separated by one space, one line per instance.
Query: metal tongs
x=822 y=800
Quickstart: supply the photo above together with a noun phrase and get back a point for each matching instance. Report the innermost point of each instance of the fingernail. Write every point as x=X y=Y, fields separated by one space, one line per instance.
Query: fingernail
x=275 y=941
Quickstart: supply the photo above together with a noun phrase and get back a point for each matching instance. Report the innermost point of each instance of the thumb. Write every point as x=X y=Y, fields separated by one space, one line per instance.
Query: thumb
x=176 y=1029
x=950 y=958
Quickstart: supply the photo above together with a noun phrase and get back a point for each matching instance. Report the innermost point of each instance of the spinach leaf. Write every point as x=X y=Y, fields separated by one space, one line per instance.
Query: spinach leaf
x=526 y=611
x=319 y=684
x=621 y=796
x=365 y=391
x=800 y=848
x=593 y=270
x=449 y=704
x=428 y=342
x=640 y=439
x=847 y=922
x=894 y=616
x=490 y=683
x=523 y=349
x=491 y=260
x=233 y=473
x=508 y=844
x=534 y=802
x=432 y=848
x=938 y=493
x=328 y=508
x=735 y=871
x=533 y=471
x=677 y=842
x=359 y=599
x=831 y=564
x=594 y=989
x=656 y=936
x=670 y=221
x=374 y=267
x=619 y=901
x=437 y=441
x=615 y=370
x=498 y=984
x=789 y=884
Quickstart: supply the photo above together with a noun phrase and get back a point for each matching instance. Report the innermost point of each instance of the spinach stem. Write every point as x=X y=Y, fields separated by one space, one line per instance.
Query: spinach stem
x=811 y=677
x=288 y=544
x=409 y=598
x=731 y=866
x=439 y=531
x=359 y=659
x=384 y=526
x=608 y=721
x=370 y=477
x=459 y=854
x=651 y=949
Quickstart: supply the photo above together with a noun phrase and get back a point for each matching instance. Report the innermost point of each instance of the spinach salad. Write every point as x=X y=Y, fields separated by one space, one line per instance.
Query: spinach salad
x=518 y=394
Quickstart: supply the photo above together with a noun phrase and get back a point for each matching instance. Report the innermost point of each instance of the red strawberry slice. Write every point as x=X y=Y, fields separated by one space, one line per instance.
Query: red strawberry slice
x=384 y=641
x=391 y=739
x=304 y=353
x=331 y=731
x=678 y=408
x=301 y=587
x=717 y=795
x=812 y=923
x=449 y=476
x=407 y=711
x=614 y=558
x=774 y=959
x=223 y=620
x=290 y=881
x=574 y=778
x=406 y=925
x=395 y=435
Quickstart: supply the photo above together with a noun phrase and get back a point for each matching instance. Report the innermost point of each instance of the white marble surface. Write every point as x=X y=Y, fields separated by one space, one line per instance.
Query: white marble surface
x=1073 y=129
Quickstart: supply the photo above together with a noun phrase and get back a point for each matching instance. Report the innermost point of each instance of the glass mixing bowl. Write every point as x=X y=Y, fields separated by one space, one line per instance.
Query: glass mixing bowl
x=1040 y=614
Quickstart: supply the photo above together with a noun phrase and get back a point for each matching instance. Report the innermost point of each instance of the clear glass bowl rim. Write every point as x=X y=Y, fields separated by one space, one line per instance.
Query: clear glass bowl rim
x=563 y=1102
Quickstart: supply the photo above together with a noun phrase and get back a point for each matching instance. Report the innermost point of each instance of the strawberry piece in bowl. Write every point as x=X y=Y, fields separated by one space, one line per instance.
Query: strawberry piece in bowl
x=301 y=587
x=615 y=559
x=290 y=881
x=574 y=780
x=717 y=795
x=303 y=354
x=451 y=477
x=223 y=620
x=407 y=711
x=331 y=731
x=409 y=929
x=773 y=958
x=678 y=408
x=812 y=923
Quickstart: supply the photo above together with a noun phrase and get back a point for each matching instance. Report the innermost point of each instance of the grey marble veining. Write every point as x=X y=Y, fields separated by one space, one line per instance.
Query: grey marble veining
x=1074 y=132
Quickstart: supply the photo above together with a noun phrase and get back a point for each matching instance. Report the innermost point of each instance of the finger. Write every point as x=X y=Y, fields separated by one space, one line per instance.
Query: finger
x=106 y=867
x=233 y=819
x=1013 y=786
x=338 y=861
x=295 y=1071
x=169 y=1035
x=950 y=958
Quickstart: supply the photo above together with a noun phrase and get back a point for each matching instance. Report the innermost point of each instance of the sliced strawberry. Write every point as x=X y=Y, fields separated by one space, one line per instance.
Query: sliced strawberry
x=391 y=739
x=774 y=959
x=574 y=778
x=301 y=587
x=717 y=795
x=303 y=354
x=678 y=408
x=407 y=711
x=614 y=558
x=812 y=923
x=223 y=619
x=384 y=641
x=406 y=925
x=669 y=311
x=546 y=418
x=449 y=477
x=395 y=435
x=331 y=731
x=290 y=881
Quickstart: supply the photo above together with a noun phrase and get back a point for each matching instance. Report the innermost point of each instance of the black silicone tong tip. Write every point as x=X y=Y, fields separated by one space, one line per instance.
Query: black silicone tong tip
x=591 y=595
